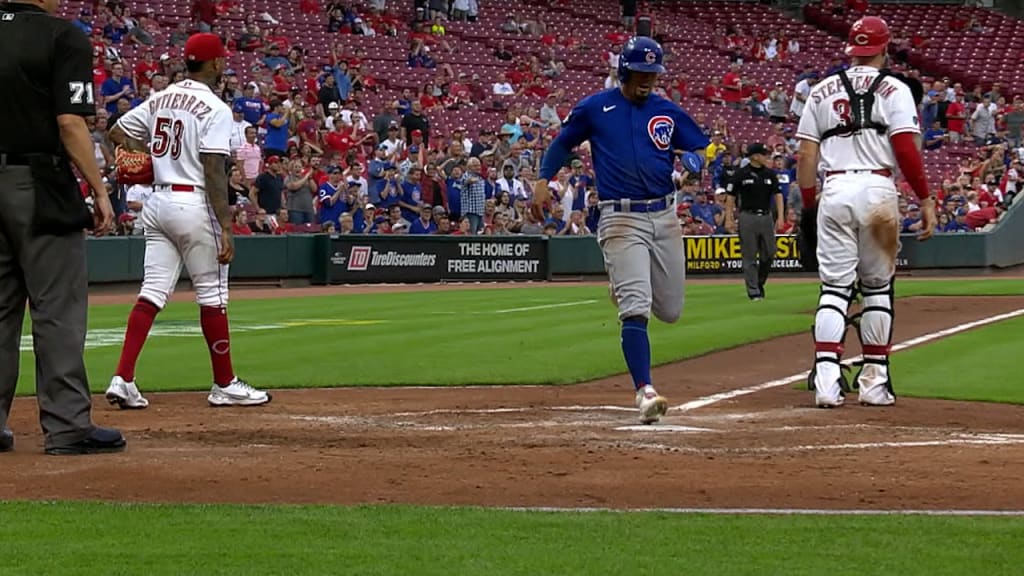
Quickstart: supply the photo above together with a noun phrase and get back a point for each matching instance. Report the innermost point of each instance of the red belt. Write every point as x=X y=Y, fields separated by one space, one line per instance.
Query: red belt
x=177 y=187
x=880 y=172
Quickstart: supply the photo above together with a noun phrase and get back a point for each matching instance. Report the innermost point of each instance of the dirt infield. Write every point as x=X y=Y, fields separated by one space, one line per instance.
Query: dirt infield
x=576 y=446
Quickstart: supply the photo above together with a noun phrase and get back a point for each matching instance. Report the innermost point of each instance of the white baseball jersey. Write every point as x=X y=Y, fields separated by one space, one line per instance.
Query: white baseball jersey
x=828 y=106
x=180 y=123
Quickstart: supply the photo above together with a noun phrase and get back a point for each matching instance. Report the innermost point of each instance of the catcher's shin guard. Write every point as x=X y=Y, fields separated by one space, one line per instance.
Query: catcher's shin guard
x=875 y=332
x=827 y=378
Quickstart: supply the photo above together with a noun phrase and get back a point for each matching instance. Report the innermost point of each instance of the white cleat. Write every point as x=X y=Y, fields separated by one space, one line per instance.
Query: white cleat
x=652 y=406
x=125 y=394
x=238 y=393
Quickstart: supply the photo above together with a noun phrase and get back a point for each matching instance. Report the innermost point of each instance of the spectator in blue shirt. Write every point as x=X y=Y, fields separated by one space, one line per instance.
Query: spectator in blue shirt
x=959 y=223
x=329 y=198
x=935 y=136
x=274 y=59
x=254 y=110
x=276 y=143
x=390 y=189
x=410 y=196
x=377 y=168
x=116 y=87
x=912 y=222
x=84 y=21
x=342 y=80
x=786 y=177
x=425 y=223
x=454 y=188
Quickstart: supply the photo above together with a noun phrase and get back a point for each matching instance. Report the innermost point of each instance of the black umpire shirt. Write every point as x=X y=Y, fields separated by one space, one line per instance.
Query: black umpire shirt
x=45 y=71
x=754 y=188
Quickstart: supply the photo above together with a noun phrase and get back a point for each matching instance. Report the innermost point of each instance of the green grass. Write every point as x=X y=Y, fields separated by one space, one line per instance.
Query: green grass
x=455 y=337
x=974 y=365
x=84 y=539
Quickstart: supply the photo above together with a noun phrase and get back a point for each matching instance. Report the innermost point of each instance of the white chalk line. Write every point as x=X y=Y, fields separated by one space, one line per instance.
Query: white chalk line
x=728 y=395
x=514 y=310
x=765 y=511
x=963 y=440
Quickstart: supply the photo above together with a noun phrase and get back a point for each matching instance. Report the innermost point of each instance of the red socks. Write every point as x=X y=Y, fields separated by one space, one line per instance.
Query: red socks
x=139 y=322
x=214 y=320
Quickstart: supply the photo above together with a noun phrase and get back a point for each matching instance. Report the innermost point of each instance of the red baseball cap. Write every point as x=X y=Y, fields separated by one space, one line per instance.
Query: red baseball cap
x=204 y=47
x=273 y=159
x=417 y=133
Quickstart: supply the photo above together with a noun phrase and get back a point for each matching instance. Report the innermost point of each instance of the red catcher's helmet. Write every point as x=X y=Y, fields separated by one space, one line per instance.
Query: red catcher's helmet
x=869 y=36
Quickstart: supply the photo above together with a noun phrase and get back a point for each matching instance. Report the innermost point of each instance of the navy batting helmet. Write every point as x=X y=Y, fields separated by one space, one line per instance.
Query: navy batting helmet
x=641 y=54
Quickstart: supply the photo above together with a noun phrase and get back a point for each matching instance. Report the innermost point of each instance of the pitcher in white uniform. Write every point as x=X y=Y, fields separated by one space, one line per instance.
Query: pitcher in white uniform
x=857 y=127
x=187 y=220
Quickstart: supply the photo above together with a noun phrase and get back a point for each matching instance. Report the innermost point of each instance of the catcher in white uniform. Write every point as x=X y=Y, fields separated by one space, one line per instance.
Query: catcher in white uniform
x=186 y=218
x=857 y=127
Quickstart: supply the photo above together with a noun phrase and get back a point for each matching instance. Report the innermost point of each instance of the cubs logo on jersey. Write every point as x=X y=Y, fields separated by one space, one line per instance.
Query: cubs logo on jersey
x=660 y=129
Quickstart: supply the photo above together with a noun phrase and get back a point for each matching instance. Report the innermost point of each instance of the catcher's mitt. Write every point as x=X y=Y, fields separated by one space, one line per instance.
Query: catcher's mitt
x=807 y=239
x=133 y=167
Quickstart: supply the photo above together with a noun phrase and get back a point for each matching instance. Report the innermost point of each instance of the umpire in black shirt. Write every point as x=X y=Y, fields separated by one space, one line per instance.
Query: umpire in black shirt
x=756 y=192
x=46 y=74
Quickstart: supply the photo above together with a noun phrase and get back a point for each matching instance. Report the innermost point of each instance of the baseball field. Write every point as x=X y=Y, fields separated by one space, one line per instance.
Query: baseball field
x=489 y=429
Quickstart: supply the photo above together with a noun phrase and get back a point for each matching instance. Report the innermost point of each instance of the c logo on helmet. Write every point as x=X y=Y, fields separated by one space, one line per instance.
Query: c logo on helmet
x=660 y=129
x=650 y=57
x=861 y=39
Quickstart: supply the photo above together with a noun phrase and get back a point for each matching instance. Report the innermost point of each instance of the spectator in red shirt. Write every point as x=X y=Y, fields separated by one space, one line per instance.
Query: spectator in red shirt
x=240 y=226
x=956 y=118
x=341 y=139
x=732 y=86
x=537 y=88
x=146 y=69
x=204 y=13
x=309 y=7
x=713 y=92
x=619 y=37
x=281 y=225
x=982 y=217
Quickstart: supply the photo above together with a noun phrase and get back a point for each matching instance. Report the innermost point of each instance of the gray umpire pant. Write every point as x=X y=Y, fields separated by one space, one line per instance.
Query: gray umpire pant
x=757 y=246
x=50 y=271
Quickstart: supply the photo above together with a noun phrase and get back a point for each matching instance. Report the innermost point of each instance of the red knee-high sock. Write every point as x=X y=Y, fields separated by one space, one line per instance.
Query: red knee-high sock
x=214 y=320
x=140 y=320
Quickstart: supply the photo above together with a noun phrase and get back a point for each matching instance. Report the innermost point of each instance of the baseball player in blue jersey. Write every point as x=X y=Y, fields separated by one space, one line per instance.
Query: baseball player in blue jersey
x=634 y=137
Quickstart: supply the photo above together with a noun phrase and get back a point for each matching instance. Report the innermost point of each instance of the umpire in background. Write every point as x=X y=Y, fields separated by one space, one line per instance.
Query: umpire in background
x=755 y=191
x=46 y=74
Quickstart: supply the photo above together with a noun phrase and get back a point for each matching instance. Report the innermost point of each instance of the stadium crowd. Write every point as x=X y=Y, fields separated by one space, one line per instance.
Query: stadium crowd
x=310 y=155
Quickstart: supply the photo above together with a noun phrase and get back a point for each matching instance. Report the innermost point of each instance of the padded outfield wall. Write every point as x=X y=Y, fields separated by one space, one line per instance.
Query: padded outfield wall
x=323 y=259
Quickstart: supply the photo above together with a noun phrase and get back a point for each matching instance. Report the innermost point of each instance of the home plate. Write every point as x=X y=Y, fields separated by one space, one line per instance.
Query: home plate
x=662 y=428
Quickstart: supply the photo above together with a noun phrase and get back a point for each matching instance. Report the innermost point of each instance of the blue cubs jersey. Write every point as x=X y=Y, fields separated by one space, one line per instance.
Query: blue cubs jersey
x=632 y=144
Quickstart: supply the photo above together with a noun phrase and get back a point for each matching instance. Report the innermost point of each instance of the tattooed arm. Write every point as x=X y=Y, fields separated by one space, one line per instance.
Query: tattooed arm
x=217 y=194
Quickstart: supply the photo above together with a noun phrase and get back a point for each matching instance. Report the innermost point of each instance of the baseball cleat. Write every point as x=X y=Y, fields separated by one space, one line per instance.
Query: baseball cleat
x=6 y=440
x=652 y=406
x=238 y=393
x=125 y=394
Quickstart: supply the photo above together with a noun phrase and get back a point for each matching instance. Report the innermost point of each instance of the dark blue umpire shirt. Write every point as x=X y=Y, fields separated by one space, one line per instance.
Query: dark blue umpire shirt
x=632 y=144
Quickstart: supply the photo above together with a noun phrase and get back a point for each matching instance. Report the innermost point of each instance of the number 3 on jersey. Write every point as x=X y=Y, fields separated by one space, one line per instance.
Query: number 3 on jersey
x=167 y=137
x=842 y=109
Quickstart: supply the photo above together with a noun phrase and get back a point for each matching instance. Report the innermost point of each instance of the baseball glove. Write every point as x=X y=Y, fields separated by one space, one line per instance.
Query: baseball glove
x=807 y=239
x=133 y=167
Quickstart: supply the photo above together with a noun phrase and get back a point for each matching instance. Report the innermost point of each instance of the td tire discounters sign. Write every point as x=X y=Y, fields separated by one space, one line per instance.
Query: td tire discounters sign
x=721 y=254
x=371 y=259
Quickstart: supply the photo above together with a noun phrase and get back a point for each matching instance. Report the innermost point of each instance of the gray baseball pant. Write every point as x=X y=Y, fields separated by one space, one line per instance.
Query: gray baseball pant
x=643 y=253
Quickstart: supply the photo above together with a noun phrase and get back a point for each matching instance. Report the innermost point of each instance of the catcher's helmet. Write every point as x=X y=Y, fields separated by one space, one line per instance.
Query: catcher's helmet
x=868 y=36
x=640 y=54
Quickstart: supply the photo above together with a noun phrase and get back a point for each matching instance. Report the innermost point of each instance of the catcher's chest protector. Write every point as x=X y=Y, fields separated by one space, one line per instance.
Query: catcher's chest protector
x=860 y=109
